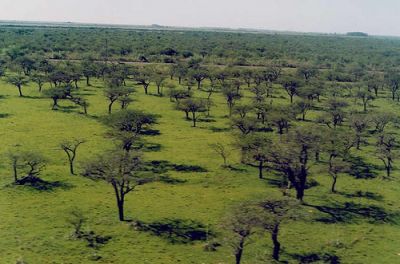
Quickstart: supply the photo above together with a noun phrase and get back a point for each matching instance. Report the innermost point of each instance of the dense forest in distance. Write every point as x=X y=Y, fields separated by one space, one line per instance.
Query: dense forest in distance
x=130 y=145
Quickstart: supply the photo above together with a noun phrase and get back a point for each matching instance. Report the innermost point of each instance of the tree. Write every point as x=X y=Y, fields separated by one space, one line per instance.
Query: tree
x=39 y=79
x=307 y=72
x=359 y=123
x=28 y=163
x=382 y=119
x=144 y=78
x=337 y=166
x=88 y=70
x=81 y=102
x=199 y=75
x=365 y=96
x=385 y=151
x=221 y=150
x=303 y=107
x=393 y=81
x=231 y=95
x=275 y=213
x=120 y=169
x=58 y=93
x=241 y=223
x=281 y=116
x=179 y=94
x=335 y=113
x=292 y=87
x=193 y=106
x=291 y=157
x=255 y=148
x=116 y=91
x=246 y=125
x=128 y=125
x=159 y=79
x=18 y=81
x=70 y=148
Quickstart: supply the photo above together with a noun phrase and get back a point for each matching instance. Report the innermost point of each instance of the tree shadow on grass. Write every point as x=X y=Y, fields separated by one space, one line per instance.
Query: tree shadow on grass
x=67 y=109
x=42 y=185
x=151 y=132
x=219 y=129
x=361 y=194
x=176 y=231
x=163 y=166
x=360 y=169
x=4 y=115
x=350 y=212
x=314 y=257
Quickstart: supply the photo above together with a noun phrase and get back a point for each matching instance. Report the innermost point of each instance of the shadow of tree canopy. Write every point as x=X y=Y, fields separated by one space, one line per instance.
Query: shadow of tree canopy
x=42 y=185
x=151 y=132
x=169 y=180
x=219 y=129
x=316 y=257
x=176 y=231
x=4 y=115
x=360 y=169
x=351 y=212
x=361 y=194
x=163 y=166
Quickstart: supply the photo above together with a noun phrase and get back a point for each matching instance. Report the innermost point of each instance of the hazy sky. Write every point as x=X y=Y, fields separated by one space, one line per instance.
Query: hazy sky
x=372 y=16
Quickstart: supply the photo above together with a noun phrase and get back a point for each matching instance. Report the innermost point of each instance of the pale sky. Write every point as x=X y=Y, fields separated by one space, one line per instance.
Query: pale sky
x=380 y=17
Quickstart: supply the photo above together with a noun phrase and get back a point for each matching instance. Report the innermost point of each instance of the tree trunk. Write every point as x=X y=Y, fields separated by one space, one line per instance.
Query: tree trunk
x=333 y=190
x=110 y=107
x=146 y=86
x=20 y=91
x=88 y=81
x=260 y=169
x=194 y=119
x=15 y=171
x=239 y=251
x=277 y=245
x=120 y=203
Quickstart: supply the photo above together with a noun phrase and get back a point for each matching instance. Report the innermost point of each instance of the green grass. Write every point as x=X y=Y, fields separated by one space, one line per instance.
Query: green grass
x=33 y=224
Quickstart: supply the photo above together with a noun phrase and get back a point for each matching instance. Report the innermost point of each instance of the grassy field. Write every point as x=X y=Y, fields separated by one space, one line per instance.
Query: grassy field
x=33 y=225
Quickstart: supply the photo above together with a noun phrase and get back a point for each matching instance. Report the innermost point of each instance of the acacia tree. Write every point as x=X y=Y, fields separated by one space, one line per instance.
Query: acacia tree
x=255 y=148
x=337 y=166
x=240 y=224
x=365 y=96
x=231 y=95
x=393 y=82
x=122 y=170
x=28 y=163
x=18 y=81
x=337 y=145
x=39 y=79
x=128 y=125
x=292 y=87
x=70 y=148
x=58 y=93
x=221 y=150
x=275 y=213
x=385 y=151
x=193 y=106
x=335 y=113
x=199 y=75
x=359 y=123
x=143 y=78
x=382 y=119
x=307 y=72
x=89 y=70
x=303 y=107
x=116 y=91
x=291 y=157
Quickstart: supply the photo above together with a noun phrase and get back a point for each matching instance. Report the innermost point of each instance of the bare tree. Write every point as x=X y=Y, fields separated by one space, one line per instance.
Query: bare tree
x=70 y=147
